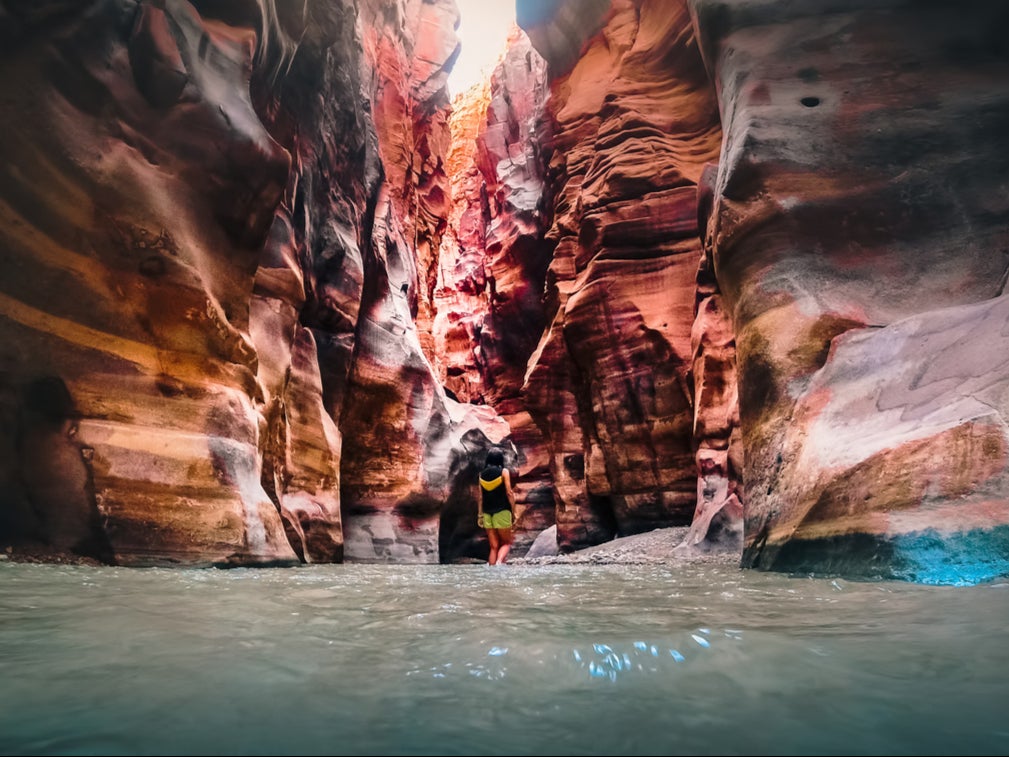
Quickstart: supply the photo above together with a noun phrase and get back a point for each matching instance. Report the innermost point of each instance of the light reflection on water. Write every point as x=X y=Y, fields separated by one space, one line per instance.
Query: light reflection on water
x=553 y=659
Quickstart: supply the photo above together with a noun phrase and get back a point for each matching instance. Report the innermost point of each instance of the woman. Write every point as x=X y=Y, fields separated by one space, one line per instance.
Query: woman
x=497 y=501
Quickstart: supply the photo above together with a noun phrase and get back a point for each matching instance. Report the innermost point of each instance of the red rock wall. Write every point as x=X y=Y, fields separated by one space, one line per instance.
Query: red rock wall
x=225 y=331
x=307 y=295
x=492 y=265
x=633 y=122
x=138 y=190
x=718 y=517
x=211 y=212
x=394 y=410
x=860 y=225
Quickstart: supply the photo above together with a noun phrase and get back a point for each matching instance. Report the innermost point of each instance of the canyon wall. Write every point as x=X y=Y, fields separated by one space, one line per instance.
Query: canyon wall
x=139 y=189
x=401 y=438
x=860 y=233
x=213 y=217
x=264 y=300
x=854 y=227
x=492 y=266
x=633 y=121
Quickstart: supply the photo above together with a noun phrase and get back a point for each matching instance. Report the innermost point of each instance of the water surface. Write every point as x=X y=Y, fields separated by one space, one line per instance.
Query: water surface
x=552 y=659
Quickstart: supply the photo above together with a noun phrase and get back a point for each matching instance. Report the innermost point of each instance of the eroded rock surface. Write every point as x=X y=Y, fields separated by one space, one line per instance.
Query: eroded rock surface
x=245 y=319
x=633 y=122
x=492 y=266
x=860 y=234
x=139 y=188
x=217 y=220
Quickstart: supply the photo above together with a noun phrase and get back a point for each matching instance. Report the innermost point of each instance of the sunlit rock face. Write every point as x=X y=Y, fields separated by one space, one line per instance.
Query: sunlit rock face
x=861 y=240
x=210 y=279
x=492 y=266
x=633 y=122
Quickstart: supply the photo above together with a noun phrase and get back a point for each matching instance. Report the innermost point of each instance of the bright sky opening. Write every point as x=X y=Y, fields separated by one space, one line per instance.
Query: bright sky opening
x=483 y=33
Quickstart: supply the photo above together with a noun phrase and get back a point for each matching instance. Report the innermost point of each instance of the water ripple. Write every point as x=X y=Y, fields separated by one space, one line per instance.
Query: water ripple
x=532 y=659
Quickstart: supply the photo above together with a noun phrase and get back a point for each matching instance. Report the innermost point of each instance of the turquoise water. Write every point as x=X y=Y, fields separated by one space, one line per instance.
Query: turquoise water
x=553 y=659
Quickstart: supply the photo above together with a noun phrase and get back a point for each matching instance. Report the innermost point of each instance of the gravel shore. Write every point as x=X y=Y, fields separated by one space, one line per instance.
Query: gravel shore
x=650 y=548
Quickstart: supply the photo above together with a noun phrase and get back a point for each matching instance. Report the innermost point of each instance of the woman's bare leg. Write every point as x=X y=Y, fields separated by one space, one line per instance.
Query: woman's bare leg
x=504 y=535
x=495 y=543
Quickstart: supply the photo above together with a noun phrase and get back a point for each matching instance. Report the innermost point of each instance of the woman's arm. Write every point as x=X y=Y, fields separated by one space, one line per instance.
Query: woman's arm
x=506 y=474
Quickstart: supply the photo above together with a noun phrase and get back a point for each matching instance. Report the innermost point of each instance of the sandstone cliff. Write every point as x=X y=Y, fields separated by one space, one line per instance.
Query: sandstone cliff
x=633 y=121
x=264 y=299
x=216 y=218
x=860 y=229
x=492 y=267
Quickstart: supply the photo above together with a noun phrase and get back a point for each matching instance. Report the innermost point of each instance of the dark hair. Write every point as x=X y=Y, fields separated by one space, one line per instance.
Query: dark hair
x=495 y=457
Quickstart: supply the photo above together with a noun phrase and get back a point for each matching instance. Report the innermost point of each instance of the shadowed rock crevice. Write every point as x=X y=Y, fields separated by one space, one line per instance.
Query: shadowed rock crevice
x=51 y=506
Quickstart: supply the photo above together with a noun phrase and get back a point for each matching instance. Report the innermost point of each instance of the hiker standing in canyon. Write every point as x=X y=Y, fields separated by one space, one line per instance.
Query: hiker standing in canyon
x=497 y=503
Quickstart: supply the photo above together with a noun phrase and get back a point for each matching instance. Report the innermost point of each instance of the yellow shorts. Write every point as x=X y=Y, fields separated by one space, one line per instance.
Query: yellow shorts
x=502 y=519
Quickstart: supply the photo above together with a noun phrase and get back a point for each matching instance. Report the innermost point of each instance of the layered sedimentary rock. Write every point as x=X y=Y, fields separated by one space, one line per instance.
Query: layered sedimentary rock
x=138 y=189
x=209 y=277
x=230 y=332
x=718 y=517
x=396 y=425
x=492 y=265
x=634 y=121
x=860 y=233
x=307 y=289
